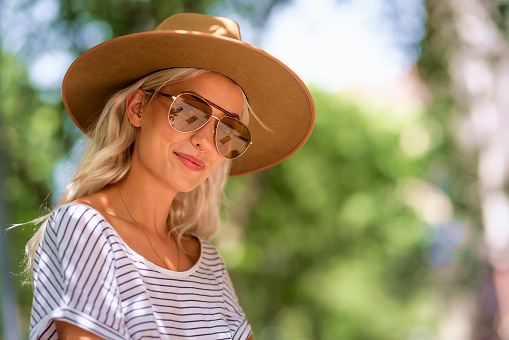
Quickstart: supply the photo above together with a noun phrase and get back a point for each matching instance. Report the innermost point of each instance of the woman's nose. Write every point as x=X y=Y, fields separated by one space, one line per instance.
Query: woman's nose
x=204 y=136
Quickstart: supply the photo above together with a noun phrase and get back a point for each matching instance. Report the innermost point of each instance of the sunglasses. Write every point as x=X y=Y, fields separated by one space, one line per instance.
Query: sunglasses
x=189 y=112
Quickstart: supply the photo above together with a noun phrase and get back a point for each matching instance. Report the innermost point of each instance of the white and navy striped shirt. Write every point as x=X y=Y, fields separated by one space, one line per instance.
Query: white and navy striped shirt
x=86 y=275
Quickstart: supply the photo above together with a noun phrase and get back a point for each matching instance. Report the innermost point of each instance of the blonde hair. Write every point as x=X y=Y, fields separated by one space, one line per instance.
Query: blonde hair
x=107 y=159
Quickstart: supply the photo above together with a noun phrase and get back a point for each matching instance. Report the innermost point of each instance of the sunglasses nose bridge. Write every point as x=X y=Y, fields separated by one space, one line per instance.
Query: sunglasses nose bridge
x=217 y=118
x=204 y=131
x=215 y=123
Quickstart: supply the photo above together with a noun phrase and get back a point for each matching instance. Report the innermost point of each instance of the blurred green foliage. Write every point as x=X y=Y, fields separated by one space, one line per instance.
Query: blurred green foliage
x=330 y=247
x=322 y=246
x=31 y=143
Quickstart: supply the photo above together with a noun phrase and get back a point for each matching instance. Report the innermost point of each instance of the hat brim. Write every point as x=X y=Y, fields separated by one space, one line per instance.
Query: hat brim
x=276 y=94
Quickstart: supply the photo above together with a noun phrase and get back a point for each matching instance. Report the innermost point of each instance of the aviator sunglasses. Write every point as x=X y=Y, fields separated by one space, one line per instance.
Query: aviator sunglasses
x=189 y=112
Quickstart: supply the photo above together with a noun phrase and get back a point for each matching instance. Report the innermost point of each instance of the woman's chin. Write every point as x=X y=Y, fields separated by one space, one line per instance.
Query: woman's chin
x=186 y=186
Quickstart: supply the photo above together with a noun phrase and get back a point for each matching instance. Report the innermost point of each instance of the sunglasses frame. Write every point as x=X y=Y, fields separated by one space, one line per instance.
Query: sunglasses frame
x=227 y=115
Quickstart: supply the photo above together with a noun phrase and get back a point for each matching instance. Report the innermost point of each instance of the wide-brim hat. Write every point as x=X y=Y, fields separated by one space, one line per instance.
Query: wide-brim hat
x=276 y=94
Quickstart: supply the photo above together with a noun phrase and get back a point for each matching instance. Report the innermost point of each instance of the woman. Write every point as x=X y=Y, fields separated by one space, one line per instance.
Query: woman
x=125 y=253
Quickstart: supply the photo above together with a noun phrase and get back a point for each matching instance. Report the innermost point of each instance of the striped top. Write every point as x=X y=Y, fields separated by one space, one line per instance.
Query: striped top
x=85 y=274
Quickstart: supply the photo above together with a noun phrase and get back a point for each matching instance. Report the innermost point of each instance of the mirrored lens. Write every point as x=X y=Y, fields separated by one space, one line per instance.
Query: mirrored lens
x=232 y=137
x=188 y=113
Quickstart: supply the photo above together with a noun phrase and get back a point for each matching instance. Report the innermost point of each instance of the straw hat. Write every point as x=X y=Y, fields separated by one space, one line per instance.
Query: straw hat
x=275 y=93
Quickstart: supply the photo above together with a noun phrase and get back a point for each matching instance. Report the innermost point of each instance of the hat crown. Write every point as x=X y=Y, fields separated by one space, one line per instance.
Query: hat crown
x=201 y=23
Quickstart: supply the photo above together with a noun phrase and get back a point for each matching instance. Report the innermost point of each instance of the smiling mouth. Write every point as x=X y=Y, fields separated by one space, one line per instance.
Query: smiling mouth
x=190 y=162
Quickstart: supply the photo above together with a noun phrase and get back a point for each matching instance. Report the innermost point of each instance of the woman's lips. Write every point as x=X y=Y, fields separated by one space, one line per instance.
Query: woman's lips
x=190 y=162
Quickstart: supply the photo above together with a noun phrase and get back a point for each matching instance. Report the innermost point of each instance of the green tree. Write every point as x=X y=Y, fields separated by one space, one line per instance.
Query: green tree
x=465 y=64
x=329 y=244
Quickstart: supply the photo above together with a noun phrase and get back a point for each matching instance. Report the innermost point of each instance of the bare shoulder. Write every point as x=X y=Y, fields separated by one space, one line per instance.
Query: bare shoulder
x=104 y=203
x=99 y=200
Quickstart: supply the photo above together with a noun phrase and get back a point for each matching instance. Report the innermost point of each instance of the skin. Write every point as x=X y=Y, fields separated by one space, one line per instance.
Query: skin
x=157 y=174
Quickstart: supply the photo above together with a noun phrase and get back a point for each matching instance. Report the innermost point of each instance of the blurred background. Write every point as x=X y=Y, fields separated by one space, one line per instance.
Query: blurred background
x=392 y=222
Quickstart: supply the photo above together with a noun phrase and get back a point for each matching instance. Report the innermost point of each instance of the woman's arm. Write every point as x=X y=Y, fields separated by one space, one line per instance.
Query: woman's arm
x=67 y=331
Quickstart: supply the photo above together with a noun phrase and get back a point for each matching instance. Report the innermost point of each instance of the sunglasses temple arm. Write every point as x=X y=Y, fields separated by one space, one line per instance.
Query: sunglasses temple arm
x=167 y=95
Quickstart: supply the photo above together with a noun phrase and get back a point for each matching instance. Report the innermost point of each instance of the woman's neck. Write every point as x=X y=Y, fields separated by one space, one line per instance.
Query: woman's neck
x=148 y=200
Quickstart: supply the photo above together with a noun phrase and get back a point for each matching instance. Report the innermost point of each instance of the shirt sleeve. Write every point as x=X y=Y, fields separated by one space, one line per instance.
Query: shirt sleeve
x=240 y=329
x=74 y=276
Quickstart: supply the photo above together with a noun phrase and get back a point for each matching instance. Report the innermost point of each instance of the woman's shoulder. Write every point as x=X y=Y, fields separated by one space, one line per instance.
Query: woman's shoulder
x=210 y=253
x=95 y=201
x=74 y=227
x=90 y=206
x=82 y=214
x=73 y=216
x=73 y=210
x=207 y=246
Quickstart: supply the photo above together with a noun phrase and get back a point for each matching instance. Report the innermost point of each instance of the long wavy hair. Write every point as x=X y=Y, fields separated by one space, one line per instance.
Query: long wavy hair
x=107 y=159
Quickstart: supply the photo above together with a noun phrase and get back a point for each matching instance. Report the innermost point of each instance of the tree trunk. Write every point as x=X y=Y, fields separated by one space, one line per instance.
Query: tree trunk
x=477 y=58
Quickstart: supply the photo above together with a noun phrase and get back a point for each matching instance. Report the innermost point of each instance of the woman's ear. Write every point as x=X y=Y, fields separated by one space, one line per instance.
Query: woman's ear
x=133 y=107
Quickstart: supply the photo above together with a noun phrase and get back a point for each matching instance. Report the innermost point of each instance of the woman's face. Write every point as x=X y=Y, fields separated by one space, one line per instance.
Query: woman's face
x=183 y=160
